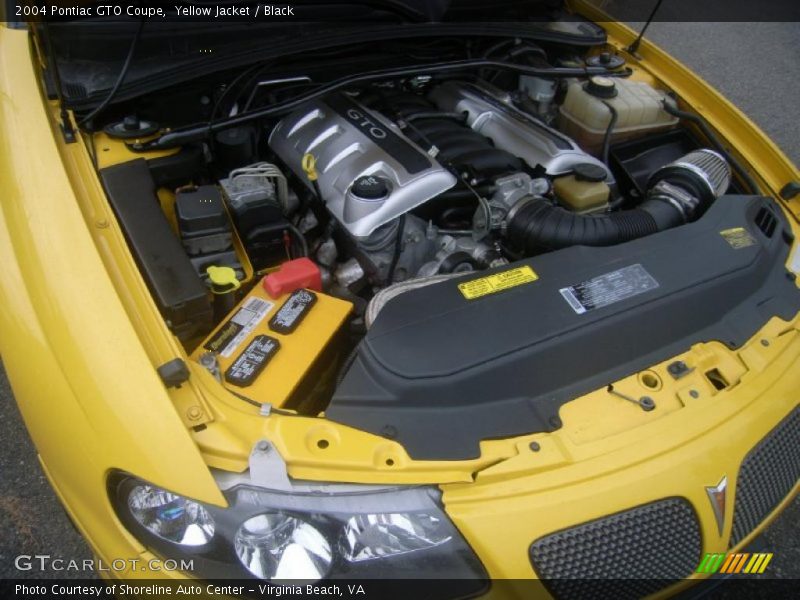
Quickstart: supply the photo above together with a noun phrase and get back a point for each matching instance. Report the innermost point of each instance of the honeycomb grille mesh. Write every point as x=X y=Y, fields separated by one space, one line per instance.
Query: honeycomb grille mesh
x=767 y=475
x=629 y=554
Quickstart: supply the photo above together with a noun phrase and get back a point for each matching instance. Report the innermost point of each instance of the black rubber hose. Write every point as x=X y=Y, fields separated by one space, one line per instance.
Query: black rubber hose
x=527 y=49
x=398 y=248
x=673 y=110
x=538 y=225
x=609 y=130
x=299 y=238
x=464 y=193
x=120 y=78
x=433 y=114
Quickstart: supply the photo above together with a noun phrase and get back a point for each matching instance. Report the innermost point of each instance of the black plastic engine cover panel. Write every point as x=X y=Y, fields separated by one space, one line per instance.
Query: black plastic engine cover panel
x=439 y=373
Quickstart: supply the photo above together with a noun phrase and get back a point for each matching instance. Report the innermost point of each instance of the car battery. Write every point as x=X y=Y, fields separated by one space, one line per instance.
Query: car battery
x=266 y=346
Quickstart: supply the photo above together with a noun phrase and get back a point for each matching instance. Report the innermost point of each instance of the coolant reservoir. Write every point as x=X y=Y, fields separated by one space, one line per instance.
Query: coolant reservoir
x=581 y=196
x=584 y=115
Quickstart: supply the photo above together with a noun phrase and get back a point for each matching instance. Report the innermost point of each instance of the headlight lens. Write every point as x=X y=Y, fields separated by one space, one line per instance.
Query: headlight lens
x=169 y=516
x=370 y=536
x=279 y=546
x=326 y=531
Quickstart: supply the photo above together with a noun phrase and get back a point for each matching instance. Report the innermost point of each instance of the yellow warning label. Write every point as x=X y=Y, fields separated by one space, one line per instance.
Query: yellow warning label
x=497 y=282
x=738 y=237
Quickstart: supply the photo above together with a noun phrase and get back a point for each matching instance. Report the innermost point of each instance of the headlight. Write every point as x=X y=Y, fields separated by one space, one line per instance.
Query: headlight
x=339 y=532
x=170 y=517
x=377 y=535
x=280 y=546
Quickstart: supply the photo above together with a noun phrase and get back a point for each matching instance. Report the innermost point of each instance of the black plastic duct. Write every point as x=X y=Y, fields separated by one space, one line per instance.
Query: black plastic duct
x=538 y=225
x=676 y=193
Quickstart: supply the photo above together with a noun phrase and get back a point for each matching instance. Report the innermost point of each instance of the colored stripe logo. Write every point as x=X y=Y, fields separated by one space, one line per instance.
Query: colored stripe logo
x=742 y=562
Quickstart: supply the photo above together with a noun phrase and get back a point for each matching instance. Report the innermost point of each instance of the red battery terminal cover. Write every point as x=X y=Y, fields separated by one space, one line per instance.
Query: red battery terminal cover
x=293 y=275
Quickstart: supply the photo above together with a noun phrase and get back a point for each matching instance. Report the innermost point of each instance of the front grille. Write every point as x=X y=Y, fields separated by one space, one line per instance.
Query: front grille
x=767 y=475
x=629 y=554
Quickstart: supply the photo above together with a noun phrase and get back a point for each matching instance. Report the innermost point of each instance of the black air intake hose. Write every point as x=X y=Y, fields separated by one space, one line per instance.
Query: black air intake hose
x=676 y=193
x=536 y=225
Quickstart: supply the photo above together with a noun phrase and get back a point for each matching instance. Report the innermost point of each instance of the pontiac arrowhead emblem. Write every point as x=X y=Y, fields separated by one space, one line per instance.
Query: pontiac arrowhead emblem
x=716 y=496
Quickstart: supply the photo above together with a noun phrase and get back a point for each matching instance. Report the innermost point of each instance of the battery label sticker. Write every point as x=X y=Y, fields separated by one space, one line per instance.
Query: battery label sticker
x=238 y=327
x=491 y=284
x=292 y=312
x=247 y=366
x=738 y=237
x=609 y=288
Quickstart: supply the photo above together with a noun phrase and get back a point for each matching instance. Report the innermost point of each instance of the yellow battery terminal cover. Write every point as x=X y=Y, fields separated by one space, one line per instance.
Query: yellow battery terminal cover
x=240 y=337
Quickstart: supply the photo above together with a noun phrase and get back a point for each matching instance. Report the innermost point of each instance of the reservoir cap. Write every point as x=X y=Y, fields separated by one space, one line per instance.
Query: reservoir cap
x=589 y=172
x=601 y=87
x=370 y=187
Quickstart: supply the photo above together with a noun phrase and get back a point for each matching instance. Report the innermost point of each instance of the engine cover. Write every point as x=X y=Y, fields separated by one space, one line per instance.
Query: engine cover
x=352 y=144
x=511 y=129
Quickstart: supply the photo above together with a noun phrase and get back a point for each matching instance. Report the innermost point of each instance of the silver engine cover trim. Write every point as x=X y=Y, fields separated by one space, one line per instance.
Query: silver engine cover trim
x=512 y=130
x=349 y=141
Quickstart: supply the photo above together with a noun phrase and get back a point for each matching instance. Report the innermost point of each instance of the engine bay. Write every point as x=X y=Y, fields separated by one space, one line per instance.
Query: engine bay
x=375 y=244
